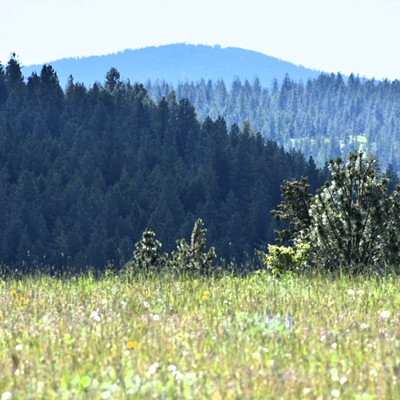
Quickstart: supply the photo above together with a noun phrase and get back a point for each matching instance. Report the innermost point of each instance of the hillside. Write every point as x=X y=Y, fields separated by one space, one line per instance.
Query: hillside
x=325 y=118
x=83 y=172
x=178 y=63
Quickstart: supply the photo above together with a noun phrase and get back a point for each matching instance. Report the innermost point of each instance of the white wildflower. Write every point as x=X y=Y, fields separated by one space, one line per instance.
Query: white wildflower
x=179 y=376
x=153 y=369
x=190 y=376
x=373 y=373
x=171 y=368
x=385 y=314
x=156 y=317
x=95 y=316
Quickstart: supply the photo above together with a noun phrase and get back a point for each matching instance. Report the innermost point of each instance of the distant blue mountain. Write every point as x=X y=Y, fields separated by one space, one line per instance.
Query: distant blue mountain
x=178 y=63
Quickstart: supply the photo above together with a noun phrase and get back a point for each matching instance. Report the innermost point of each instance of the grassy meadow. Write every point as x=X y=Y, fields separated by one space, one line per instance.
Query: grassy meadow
x=170 y=338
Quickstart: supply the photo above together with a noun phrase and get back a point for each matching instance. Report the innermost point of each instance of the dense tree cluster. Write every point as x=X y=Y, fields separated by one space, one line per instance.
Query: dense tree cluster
x=83 y=172
x=325 y=118
x=351 y=224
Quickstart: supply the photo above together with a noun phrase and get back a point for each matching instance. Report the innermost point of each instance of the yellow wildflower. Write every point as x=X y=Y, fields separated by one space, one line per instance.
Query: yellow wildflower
x=41 y=302
x=206 y=295
x=13 y=292
x=132 y=345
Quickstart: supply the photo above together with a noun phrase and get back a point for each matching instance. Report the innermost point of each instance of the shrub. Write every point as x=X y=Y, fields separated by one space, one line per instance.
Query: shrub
x=193 y=258
x=283 y=259
x=352 y=222
x=147 y=256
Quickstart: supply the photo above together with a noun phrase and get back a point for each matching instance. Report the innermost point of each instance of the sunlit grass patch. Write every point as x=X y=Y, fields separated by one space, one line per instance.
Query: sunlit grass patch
x=200 y=338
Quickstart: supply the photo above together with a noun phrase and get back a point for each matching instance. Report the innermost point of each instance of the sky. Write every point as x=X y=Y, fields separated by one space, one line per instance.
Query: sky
x=347 y=36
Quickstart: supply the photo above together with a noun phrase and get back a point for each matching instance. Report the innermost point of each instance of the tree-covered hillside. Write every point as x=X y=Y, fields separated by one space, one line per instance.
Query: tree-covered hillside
x=324 y=117
x=85 y=171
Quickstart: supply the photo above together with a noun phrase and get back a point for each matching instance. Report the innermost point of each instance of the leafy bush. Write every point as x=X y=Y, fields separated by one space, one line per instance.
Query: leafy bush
x=352 y=222
x=282 y=259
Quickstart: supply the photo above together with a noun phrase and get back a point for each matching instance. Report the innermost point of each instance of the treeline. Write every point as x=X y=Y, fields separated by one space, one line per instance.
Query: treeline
x=325 y=118
x=83 y=172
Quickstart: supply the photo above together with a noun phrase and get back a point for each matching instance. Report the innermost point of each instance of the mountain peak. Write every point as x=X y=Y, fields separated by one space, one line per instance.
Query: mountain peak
x=176 y=63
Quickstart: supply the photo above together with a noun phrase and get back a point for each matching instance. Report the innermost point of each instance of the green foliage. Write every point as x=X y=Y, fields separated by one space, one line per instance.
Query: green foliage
x=353 y=222
x=193 y=259
x=84 y=172
x=294 y=209
x=282 y=259
x=190 y=259
x=327 y=117
x=147 y=256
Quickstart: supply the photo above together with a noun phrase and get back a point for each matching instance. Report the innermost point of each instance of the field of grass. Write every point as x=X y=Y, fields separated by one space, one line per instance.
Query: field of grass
x=169 y=338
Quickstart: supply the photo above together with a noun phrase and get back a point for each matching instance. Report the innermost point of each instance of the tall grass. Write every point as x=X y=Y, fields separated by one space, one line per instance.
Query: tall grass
x=169 y=338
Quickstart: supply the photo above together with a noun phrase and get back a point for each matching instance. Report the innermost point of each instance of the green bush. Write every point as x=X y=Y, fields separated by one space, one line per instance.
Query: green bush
x=193 y=258
x=352 y=222
x=283 y=259
x=189 y=258
x=147 y=256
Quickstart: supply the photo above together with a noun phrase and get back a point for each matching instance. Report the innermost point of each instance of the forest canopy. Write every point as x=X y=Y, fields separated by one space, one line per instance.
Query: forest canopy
x=325 y=118
x=83 y=172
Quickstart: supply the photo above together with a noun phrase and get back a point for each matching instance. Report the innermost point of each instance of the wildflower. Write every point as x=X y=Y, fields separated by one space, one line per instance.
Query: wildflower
x=172 y=368
x=216 y=396
x=6 y=396
x=385 y=314
x=277 y=323
x=153 y=369
x=41 y=302
x=12 y=293
x=335 y=393
x=106 y=394
x=373 y=372
x=95 y=316
x=20 y=308
x=206 y=295
x=156 y=317
x=288 y=320
x=132 y=345
x=178 y=375
x=19 y=347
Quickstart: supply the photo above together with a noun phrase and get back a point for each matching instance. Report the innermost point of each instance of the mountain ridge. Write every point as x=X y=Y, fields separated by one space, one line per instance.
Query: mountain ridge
x=175 y=63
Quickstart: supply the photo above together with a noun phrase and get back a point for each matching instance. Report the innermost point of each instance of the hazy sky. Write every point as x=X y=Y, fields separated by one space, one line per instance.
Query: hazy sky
x=360 y=36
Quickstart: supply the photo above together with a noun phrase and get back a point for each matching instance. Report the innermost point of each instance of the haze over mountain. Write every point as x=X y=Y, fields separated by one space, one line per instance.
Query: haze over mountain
x=178 y=63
